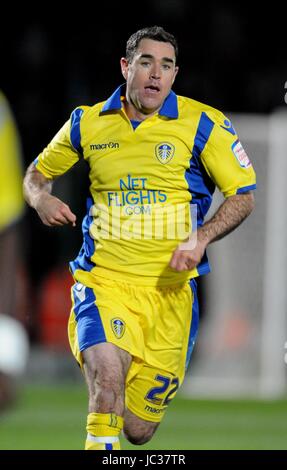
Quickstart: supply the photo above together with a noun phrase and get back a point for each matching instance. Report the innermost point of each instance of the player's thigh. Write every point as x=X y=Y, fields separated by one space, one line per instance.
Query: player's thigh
x=105 y=367
x=106 y=361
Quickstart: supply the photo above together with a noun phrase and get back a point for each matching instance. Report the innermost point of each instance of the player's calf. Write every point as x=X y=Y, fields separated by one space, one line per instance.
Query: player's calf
x=105 y=367
x=137 y=430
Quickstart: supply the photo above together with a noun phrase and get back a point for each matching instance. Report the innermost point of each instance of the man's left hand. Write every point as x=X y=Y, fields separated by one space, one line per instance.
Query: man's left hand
x=188 y=255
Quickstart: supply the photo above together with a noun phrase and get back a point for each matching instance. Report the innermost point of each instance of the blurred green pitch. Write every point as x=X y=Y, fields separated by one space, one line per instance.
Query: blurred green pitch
x=53 y=417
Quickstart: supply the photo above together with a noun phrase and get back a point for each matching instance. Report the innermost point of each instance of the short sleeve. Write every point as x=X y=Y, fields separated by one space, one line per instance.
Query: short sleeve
x=225 y=159
x=64 y=150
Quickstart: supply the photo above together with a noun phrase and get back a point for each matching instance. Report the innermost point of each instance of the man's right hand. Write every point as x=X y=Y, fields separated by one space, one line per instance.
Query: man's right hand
x=54 y=212
x=37 y=192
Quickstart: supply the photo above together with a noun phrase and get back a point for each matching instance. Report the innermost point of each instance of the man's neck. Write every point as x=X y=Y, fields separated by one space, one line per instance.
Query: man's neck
x=135 y=114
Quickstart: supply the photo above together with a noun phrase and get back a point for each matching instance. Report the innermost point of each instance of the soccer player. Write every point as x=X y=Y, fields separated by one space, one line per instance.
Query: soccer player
x=152 y=156
x=12 y=333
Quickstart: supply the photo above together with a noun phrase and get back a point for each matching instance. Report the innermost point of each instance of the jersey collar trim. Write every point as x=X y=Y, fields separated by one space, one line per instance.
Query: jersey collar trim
x=169 y=108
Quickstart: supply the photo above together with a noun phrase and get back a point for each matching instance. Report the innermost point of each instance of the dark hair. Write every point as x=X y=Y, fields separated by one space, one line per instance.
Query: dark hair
x=157 y=33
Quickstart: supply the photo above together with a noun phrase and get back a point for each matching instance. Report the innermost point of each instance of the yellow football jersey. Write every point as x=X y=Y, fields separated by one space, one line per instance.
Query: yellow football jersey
x=11 y=199
x=151 y=184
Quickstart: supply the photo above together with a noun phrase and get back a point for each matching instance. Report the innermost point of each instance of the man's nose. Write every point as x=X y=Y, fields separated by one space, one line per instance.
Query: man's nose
x=156 y=72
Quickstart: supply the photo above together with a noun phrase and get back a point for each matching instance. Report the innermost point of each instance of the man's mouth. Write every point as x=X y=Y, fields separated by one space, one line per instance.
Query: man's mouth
x=152 y=89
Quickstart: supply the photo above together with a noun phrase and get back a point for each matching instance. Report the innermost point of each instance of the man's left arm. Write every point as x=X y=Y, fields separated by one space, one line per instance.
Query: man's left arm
x=230 y=215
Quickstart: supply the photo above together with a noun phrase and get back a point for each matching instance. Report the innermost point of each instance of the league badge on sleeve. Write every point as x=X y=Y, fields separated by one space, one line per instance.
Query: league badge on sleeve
x=240 y=154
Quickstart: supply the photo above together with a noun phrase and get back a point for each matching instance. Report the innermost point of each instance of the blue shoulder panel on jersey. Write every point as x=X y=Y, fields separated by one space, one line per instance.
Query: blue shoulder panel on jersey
x=75 y=133
x=200 y=186
x=203 y=132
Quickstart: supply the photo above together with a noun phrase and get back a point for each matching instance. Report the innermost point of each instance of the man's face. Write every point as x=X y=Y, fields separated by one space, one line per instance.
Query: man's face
x=150 y=75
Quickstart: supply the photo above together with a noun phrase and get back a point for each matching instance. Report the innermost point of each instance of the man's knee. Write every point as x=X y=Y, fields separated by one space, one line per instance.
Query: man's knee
x=136 y=430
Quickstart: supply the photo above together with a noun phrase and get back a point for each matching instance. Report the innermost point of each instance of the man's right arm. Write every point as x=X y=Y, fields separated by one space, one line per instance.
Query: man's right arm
x=37 y=192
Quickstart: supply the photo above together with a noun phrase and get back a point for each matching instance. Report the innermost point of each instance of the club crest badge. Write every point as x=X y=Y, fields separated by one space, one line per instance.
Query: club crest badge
x=164 y=152
x=118 y=327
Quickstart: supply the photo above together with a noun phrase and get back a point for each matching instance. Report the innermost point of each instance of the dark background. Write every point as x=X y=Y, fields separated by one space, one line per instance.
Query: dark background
x=230 y=57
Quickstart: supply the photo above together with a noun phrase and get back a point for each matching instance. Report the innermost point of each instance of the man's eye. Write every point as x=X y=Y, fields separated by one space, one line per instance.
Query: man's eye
x=166 y=67
x=145 y=64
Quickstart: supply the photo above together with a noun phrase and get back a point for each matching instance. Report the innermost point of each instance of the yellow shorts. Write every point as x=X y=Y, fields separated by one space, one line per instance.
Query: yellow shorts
x=156 y=325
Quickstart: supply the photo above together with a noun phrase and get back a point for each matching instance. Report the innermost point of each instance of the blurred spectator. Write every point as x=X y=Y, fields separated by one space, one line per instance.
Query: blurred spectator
x=13 y=337
x=14 y=350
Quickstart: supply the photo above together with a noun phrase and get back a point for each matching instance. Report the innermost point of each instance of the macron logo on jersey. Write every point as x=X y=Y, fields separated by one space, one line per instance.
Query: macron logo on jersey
x=108 y=145
x=228 y=127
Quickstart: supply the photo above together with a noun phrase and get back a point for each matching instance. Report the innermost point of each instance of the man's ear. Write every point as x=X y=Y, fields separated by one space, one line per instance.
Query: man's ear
x=124 y=67
x=175 y=73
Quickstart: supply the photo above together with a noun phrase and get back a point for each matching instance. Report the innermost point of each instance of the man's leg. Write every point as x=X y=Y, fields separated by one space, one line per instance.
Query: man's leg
x=137 y=430
x=105 y=367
